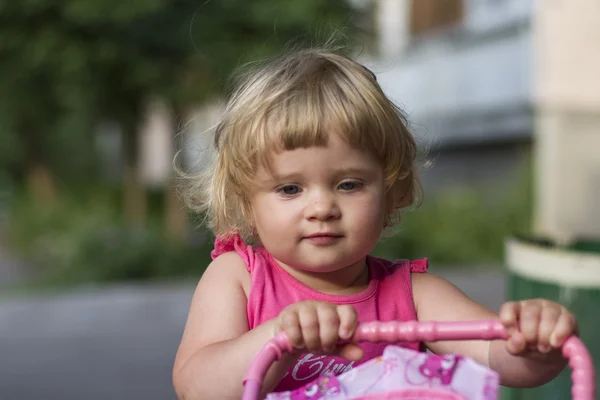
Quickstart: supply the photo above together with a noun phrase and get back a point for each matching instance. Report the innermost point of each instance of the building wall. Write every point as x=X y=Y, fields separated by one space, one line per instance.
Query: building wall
x=485 y=167
x=567 y=93
x=466 y=88
x=567 y=55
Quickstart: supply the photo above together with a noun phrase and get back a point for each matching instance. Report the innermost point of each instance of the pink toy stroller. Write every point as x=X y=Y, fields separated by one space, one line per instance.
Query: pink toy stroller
x=402 y=374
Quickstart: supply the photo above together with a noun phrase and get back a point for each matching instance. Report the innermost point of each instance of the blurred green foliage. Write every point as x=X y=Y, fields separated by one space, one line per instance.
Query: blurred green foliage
x=464 y=226
x=83 y=239
x=68 y=64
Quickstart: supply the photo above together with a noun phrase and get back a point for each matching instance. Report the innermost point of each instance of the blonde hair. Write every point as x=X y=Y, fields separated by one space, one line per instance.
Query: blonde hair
x=293 y=102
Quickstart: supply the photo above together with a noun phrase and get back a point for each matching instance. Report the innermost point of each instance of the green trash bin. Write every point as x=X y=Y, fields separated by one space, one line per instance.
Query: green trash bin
x=570 y=276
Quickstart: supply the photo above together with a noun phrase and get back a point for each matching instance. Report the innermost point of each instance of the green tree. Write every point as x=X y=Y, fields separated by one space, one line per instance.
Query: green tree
x=67 y=64
x=41 y=90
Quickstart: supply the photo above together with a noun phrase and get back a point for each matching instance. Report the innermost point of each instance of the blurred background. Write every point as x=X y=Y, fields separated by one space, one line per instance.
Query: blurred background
x=99 y=258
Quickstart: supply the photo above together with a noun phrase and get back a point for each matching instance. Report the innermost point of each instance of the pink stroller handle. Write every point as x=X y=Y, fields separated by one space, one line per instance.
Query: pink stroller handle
x=573 y=349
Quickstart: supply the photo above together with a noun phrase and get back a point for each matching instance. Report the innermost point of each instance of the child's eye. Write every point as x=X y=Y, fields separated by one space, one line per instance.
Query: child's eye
x=289 y=190
x=349 y=185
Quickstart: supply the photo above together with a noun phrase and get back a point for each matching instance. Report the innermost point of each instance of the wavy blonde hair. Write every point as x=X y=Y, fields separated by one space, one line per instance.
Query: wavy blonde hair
x=292 y=102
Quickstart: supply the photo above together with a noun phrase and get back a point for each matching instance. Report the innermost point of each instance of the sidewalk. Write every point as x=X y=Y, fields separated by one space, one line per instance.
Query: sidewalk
x=119 y=342
x=12 y=270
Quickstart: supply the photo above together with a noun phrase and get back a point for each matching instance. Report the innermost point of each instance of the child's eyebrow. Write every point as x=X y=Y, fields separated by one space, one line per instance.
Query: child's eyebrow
x=355 y=171
x=275 y=178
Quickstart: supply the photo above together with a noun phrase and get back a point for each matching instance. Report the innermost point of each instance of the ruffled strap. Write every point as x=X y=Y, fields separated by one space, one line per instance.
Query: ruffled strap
x=419 y=266
x=233 y=243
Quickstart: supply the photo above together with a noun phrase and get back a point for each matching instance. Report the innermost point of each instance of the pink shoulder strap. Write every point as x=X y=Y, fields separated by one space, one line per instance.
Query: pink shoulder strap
x=233 y=243
x=419 y=266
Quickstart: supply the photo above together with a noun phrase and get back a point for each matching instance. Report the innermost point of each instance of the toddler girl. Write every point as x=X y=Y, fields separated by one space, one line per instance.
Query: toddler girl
x=313 y=162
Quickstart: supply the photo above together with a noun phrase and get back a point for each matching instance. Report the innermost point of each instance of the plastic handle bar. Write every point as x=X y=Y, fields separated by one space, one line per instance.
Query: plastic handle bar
x=573 y=349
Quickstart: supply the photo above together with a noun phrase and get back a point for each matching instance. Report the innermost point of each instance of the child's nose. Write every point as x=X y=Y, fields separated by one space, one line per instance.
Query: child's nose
x=323 y=206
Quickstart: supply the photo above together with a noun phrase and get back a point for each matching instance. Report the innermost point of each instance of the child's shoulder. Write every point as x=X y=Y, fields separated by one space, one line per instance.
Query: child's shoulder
x=427 y=283
x=229 y=263
x=228 y=267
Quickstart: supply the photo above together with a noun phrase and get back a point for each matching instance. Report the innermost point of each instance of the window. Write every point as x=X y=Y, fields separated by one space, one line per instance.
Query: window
x=427 y=15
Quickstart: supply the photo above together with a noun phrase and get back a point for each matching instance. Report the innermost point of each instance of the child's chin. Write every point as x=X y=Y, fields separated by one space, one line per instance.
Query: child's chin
x=324 y=267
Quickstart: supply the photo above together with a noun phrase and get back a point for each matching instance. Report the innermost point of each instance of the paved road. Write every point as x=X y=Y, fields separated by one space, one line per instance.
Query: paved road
x=117 y=343
x=12 y=270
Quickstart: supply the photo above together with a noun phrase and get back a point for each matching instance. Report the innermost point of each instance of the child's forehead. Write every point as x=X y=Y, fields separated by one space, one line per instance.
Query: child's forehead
x=337 y=154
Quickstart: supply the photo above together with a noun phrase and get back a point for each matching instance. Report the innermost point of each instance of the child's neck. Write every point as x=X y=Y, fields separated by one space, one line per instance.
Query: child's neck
x=349 y=280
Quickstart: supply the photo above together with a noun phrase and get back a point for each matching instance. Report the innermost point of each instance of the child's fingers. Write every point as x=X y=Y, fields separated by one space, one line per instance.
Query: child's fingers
x=508 y=315
x=529 y=320
x=348 y=321
x=329 y=323
x=511 y=317
x=290 y=324
x=351 y=352
x=309 y=325
x=548 y=320
x=536 y=325
x=565 y=327
x=516 y=343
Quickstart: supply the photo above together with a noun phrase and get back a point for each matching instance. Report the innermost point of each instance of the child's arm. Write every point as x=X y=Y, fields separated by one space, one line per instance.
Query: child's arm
x=217 y=347
x=438 y=300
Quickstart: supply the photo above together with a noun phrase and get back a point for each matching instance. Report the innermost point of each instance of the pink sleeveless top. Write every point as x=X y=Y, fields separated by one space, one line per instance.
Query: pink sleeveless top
x=388 y=297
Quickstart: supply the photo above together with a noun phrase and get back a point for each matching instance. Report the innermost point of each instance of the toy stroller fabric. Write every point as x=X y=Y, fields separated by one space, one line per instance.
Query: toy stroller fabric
x=402 y=369
x=404 y=374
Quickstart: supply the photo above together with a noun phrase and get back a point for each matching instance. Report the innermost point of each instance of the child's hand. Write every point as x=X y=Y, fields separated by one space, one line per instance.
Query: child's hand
x=316 y=327
x=539 y=325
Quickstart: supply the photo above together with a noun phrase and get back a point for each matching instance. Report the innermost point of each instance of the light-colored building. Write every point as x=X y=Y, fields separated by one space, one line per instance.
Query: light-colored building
x=489 y=84
x=462 y=71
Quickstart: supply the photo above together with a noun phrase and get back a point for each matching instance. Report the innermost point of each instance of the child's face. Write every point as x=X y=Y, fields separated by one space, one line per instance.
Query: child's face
x=322 y=209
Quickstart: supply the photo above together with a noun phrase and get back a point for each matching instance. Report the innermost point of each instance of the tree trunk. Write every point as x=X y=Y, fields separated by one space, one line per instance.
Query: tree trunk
x=176 y=217
x=40 y=184
x=134 y=193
